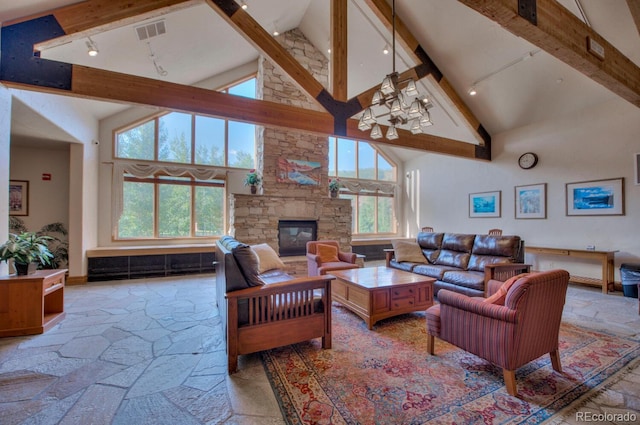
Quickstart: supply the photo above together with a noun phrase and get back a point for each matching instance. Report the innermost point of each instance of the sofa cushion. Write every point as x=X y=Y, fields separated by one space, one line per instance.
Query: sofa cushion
x=327 y=253
x=248 y=262
x=408 y=251
x=467 y=279
x=432 y=270
x=430 y=243
x=458 y=242
x=501 y=246
x=268 y=257
x=450 y=258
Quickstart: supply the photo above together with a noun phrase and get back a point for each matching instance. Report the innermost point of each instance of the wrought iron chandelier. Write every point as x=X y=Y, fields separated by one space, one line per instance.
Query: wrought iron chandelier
x=403 y=106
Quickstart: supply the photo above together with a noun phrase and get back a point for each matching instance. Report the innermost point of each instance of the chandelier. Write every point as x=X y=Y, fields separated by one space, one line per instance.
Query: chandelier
x=403 y=106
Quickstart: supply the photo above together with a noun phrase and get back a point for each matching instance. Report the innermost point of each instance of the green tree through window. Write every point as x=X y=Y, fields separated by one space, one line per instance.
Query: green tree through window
x=373 y=212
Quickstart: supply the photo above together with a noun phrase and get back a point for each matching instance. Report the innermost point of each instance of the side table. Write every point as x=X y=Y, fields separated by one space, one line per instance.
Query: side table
x=31 y=304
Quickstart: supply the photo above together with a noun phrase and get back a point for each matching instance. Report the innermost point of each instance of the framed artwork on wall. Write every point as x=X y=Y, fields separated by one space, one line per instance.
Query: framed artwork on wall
x=636 y=163
x=597 y=197
x=531 y=201
x=485 y=204
x=298 y=171
x=18 y=197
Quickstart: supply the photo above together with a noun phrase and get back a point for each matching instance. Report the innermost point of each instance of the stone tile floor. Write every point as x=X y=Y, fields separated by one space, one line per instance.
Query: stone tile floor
x=151 y=351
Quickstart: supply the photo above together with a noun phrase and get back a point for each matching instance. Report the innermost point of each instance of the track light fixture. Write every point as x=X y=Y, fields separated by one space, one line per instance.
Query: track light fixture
x=92 y=47
x=159 y=69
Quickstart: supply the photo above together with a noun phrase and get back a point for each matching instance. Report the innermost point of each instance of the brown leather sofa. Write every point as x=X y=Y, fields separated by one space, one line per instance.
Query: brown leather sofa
x=466 y=263
x=268 y=310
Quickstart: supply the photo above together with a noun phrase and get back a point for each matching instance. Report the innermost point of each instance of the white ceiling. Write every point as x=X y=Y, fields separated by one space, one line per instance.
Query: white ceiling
x=519 y=85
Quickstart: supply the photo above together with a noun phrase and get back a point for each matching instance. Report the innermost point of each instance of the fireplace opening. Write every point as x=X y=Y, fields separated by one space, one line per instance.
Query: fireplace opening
x=293 y=236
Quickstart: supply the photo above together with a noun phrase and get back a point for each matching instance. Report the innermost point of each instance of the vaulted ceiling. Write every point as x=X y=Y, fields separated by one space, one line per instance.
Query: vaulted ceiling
x=524 y=73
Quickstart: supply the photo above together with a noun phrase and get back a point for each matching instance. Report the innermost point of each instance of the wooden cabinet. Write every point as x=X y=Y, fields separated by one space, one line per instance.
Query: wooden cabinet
x=31 y=304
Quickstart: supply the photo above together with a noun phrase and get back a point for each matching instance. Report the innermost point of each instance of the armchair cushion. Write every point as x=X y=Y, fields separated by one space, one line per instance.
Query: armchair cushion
x=501 y=294
x=327 y=253
x=268 y=259
x=408 y=251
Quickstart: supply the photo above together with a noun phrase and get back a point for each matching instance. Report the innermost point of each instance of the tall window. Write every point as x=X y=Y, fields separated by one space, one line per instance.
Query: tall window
x=359 y=164
x=173 y=200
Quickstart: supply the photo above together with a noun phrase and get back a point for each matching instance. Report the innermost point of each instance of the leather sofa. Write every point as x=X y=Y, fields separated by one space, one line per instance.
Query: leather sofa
x=265 y=310
x=466 y=263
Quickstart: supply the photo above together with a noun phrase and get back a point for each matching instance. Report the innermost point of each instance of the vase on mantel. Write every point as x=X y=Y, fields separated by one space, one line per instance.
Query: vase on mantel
x=254 y=189
x=334 y=193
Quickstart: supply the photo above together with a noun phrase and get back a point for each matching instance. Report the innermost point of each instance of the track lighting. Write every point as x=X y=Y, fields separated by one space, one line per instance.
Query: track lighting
x=92 y=47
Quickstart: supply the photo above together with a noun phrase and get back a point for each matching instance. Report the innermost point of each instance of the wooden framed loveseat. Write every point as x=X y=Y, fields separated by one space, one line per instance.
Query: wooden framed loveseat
x=261 y=310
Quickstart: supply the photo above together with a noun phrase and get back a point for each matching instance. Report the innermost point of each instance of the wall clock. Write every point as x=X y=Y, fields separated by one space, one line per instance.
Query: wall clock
x=527 y=160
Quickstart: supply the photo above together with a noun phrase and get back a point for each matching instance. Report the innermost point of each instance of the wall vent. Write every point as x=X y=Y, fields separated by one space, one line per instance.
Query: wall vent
x=151 y=30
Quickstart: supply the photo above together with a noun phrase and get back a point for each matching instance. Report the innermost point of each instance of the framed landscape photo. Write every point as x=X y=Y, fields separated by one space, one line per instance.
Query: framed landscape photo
x=597 y=197
x=18 y=197
x=485 y=204
x=531 y=201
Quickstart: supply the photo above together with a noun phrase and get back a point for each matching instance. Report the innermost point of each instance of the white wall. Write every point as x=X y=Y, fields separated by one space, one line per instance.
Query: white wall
x=597 y=143
x=48 y=199
x=5 y=128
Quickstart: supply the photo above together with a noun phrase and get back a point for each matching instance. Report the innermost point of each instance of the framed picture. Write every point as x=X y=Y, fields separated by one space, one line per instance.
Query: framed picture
x=18 y=197
x=636 y=163
x=597 y=197
x=485 y=204
x=298 y=171
x=531 y=201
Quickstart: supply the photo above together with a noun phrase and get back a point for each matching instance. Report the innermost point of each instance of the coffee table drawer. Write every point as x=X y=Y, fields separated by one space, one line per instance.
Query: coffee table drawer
x=403 y=292
x=402 y=303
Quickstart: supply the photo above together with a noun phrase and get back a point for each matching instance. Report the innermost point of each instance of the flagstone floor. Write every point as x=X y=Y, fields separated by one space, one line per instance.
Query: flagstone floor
x=151 y=351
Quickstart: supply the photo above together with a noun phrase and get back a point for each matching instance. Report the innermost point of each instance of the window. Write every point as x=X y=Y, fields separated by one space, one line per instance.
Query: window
x=171 y=202
x=359 y=164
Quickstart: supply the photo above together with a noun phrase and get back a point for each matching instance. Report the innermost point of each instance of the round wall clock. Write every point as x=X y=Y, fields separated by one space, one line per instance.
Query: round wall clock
x=528 y=160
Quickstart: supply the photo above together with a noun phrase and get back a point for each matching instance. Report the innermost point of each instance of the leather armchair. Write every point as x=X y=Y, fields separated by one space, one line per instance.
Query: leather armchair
x=316 y=265
x=510 y=335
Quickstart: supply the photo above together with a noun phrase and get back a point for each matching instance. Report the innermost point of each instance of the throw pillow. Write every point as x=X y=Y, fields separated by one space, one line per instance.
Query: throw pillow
x=327 y=253
x=268 y=257
x=248 y=262
x=501 y=294
x=408 y=251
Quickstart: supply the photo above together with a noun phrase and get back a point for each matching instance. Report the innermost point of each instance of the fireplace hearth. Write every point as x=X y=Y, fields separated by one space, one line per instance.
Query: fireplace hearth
x=293 y=236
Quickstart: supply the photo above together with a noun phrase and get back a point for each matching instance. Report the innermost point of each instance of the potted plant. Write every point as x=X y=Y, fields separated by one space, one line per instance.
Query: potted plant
x=253 y=179
x=25 y=248
x=334 y=187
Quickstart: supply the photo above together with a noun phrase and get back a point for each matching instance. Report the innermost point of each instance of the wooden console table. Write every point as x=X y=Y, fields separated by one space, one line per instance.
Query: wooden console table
x=31 y=304
x=605 y=258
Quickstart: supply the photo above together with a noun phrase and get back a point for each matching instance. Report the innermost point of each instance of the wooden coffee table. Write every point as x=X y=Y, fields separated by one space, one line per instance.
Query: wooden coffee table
x=375 y=293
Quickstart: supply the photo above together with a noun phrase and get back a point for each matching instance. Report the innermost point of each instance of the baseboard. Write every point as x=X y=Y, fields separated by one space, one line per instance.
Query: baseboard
x=76 y=280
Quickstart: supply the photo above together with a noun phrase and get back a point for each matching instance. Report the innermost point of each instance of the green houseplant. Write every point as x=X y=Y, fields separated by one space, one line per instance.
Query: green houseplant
x=252 y=179
x=25 y=248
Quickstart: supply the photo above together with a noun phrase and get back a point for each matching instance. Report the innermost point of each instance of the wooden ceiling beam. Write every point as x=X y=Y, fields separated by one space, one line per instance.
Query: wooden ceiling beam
x=634 y=8
x=564 y=36
x=338 y=63
x=384 y=12
x=91 y=83
x=251 y=30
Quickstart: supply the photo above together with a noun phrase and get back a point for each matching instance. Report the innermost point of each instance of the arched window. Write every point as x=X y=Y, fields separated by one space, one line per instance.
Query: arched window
x=172 y=172
x=369 y=179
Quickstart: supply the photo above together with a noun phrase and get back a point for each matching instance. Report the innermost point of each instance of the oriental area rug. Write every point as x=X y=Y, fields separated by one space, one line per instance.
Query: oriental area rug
x=385 y=376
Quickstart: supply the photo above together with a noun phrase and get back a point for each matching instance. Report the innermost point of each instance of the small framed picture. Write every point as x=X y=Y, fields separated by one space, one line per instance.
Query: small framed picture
x=485 y=204
x=636 y=163
x=531 y=201
x=18 y=197
x=597 y=197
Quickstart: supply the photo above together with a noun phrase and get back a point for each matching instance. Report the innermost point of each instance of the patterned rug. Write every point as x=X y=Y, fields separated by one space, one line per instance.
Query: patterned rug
x=384 y=376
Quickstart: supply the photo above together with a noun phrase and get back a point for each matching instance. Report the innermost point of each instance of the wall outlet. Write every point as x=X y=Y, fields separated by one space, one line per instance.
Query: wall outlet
x=591 y=247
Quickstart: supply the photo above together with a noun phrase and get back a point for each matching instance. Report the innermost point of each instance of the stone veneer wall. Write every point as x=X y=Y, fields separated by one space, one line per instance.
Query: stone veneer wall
x=254 y=218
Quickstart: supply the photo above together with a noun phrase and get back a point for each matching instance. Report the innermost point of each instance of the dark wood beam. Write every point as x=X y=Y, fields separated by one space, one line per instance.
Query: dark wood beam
x=338 y=63
x=90 y=83
x=564 y=36
x=634 y=8
x=246 y=26
x=384 y=12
